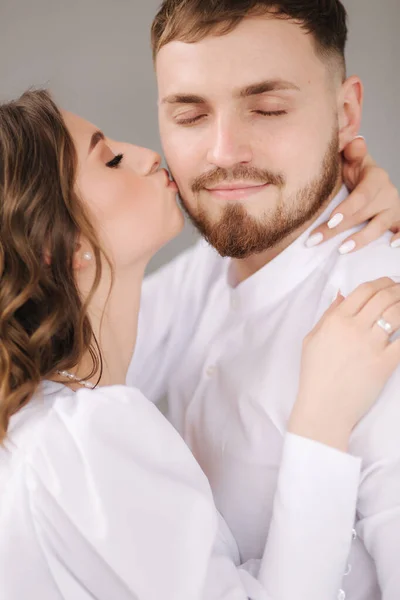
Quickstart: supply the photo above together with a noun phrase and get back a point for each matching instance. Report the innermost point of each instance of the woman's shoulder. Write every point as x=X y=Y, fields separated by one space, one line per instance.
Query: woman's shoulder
x=61 y=431
x=107 y=480
x=108 y=408
x=56 y=413
x=53 y=398
x=65 y=440
x=57 y=407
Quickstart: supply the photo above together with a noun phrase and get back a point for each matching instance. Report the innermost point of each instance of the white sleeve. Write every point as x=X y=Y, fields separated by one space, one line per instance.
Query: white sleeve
x=314 y=514
x=377 y=438
x=120 y=509
x=310 y=536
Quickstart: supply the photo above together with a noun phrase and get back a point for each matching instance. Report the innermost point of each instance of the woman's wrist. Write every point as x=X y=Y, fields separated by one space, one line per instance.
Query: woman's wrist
x=322 y=428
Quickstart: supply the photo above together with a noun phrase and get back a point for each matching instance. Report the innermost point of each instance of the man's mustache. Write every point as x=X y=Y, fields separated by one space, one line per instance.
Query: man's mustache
x=239 y=173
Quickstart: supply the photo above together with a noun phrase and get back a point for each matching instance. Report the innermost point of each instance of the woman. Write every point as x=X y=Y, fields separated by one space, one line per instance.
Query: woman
x=99 y=497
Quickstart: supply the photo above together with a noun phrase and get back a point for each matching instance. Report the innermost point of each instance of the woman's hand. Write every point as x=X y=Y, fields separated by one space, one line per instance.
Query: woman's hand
x=373 y=200
x=347 y=359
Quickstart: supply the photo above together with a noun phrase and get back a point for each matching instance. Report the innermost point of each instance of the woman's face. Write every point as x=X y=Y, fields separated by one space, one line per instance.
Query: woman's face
x=132 y=202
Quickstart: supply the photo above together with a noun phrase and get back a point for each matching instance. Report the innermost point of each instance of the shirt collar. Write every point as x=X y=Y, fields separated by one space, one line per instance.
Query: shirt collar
x=271 y=283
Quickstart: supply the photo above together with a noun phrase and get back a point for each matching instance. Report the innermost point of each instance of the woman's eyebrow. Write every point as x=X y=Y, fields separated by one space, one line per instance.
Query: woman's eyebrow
x=97 y=137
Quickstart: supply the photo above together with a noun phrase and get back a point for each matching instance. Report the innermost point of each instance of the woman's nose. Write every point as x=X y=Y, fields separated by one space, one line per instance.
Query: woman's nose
x=143 y=160
x=155 y=159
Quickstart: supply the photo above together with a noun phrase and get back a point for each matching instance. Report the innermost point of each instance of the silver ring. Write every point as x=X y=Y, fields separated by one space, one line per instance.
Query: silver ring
x=385 y=325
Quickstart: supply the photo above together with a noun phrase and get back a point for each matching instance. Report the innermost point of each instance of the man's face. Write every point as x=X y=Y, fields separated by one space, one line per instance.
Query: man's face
x=249 y=126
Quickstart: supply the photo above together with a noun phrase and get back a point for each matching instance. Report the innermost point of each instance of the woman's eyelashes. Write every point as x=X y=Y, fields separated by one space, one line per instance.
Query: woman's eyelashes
x=115 y=162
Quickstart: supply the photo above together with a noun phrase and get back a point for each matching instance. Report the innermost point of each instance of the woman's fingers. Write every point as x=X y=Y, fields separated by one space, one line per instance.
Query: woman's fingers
x=382 y=304
x=356 y=209
x=354 y=154
x=374 y=202
x=395 y=241
x=376 y=305
x=371 y=232
x=336 y=302
x=363 y=294
x=387 y=324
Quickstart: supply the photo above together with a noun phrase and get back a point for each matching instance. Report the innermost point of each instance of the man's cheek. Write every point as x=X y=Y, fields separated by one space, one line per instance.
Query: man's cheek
x=181 y=176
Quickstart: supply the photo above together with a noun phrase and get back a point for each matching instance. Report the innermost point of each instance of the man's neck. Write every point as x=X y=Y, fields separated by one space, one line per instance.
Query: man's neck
x=242 y=269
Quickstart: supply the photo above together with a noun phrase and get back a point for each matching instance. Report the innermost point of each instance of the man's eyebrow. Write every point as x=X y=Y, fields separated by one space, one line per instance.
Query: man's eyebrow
x=255 y=89
x=270 y=85
x=97 y=137
x=183 y=99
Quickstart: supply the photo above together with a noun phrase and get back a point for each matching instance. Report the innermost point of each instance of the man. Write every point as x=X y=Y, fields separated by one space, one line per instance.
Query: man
x=255 y=109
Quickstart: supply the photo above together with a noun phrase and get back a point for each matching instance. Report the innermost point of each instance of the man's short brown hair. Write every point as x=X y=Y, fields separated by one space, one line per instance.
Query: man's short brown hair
x=193 y=20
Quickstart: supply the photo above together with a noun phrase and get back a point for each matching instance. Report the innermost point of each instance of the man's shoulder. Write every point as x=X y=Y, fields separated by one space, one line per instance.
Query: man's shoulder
x=376 y=260
x=377 y=435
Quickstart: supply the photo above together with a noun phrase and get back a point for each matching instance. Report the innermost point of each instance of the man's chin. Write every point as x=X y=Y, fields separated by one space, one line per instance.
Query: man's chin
x=232 y=231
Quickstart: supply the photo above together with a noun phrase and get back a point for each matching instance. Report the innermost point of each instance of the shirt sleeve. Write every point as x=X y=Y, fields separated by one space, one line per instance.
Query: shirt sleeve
x=310 y=535
x=120 y=509
x=119 y=506
x=313 y=519
x=377 y=439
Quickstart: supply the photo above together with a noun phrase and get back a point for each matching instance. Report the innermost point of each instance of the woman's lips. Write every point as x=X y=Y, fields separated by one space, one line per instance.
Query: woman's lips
x=236 y=192
x=170 y=184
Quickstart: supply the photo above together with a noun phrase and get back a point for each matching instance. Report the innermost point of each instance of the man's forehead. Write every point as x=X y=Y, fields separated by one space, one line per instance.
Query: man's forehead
x=265 y=49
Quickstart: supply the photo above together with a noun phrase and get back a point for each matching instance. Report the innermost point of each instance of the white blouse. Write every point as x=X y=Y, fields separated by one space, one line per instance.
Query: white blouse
x=101 y=499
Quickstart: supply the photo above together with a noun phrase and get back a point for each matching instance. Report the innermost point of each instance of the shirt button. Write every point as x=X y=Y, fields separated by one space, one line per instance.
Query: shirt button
x=348 y=570
x=341 y=595
x=234 y=303
x=354 y=534
x=211 y=370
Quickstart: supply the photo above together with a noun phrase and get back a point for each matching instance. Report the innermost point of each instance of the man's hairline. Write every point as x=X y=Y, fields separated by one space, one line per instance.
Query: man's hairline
x=325 y=55
x=334 y=63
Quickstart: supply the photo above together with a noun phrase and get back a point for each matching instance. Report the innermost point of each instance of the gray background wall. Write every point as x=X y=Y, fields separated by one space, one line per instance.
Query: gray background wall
x=95 y=57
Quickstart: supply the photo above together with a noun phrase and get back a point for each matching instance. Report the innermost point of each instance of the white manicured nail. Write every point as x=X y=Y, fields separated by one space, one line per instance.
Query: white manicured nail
x=396 y=243
x=335 y=221
x=359 y=137
x=347 y=247
x=314 y=240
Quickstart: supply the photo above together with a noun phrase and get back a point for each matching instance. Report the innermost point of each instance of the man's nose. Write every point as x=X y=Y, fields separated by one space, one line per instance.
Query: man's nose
x=229 y=145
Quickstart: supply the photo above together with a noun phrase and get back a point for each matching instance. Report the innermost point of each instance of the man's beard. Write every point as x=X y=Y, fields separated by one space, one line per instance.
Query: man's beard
x=239 y=235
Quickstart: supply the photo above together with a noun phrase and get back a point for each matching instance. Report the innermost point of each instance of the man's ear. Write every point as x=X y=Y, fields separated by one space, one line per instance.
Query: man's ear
x=350 y=101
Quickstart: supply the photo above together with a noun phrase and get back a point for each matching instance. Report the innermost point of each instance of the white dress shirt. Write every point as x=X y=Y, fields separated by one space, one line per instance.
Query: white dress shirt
x=100 y=499
x=229 y=360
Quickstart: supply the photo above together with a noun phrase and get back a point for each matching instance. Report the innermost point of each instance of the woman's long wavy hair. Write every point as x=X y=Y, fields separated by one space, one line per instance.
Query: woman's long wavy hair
x=44 y=326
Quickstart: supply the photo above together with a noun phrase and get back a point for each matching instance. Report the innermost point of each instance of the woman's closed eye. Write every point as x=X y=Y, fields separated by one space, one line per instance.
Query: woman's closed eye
x=115 y=162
